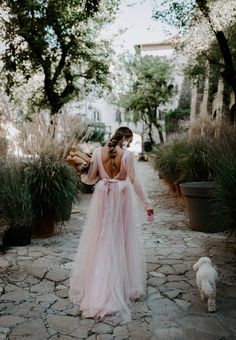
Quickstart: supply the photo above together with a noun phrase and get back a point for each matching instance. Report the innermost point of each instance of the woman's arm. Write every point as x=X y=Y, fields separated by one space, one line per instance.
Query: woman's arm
x=137 y=186
x=93 y=175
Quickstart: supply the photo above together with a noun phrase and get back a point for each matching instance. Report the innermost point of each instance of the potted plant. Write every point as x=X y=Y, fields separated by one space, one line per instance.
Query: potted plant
x=211 y=204
x=53 y=185
x=198 y=197
x=195 y=180
x=167 y=161
x=197 y=184
x=15 y=204
x=186 y=165
x=223 y=160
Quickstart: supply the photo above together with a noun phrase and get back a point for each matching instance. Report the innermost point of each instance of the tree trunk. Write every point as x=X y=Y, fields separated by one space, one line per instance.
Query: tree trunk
x=161 y=136
x=149 y=125
x=160 y=133
x=150 y=134
x=229 y=72
x=232 y=114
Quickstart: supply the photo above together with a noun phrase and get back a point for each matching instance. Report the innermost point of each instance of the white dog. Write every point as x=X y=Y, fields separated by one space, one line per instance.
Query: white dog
x=206 y=279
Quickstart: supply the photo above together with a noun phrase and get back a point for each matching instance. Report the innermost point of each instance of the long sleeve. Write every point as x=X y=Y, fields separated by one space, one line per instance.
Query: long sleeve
x=93 y=175
x=137 y=186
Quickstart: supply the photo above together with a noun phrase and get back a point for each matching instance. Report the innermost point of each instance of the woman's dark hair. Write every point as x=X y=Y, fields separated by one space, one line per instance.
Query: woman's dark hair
x=125 y=131
x=121 y=132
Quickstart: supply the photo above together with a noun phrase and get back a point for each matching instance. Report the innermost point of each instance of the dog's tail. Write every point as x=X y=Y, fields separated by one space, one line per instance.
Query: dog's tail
x=208 y=287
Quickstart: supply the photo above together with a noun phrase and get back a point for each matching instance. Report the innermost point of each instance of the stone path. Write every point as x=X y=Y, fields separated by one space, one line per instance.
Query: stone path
x=34 y=281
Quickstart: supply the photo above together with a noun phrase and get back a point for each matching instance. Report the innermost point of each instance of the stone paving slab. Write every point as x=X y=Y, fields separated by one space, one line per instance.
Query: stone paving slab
x=34 y=280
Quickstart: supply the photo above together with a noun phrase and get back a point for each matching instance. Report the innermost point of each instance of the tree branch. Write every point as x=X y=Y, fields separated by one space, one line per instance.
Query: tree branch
x=225 y=50
x=69 y=89
x=213 y=61
x=60 y=65
x=33 y=46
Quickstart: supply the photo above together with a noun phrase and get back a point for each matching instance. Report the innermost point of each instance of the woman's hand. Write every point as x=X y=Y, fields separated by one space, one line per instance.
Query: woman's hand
x=150 y=211
x=150 y=215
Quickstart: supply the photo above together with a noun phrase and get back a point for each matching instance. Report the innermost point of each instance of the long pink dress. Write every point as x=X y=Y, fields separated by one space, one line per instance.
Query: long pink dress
x=109 y=268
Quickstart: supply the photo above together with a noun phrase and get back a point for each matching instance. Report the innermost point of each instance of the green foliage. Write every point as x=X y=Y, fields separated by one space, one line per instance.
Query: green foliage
x=221 y=55
x=183 y=161
x=149 y=89
x=97 y=133
x=172 y=119
x=175 y=13
x=195 y=164
x=196 y=71
x=53 y=185
x=29 y=191
x=166 y=159
x=178 y=113
x=204 y=159
x=56 y=38
x=224 y=192
x=15 y=197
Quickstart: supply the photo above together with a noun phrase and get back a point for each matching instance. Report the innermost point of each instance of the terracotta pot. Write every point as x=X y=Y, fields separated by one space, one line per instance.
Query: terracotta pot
x=178 y=190
x=45 y=227
x=171 y=185
x=198 y=201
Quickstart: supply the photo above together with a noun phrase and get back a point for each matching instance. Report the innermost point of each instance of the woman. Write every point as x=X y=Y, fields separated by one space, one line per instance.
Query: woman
x=109 y=269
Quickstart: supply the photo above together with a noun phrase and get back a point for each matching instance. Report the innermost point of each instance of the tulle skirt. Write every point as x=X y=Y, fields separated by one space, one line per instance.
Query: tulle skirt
x=109 y=267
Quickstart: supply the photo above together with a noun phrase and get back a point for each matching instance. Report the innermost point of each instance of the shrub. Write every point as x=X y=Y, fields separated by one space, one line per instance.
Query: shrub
x=182 y=160
x=194 y=165
x=15 y=198
x=224 y=163
x=205 y=159
x=167 y=156
x=53 y=185
x=174 y=119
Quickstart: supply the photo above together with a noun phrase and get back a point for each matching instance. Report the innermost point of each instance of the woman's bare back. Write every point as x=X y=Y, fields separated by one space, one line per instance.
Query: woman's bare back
x=106 y=161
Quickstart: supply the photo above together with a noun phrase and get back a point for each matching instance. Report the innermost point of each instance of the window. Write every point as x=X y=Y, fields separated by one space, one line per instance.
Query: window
x=118 y=116
x=96 y=116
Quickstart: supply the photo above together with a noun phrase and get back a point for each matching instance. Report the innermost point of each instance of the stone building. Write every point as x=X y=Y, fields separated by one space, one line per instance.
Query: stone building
x=99 y=110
